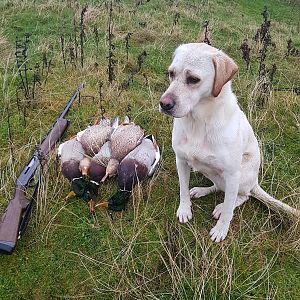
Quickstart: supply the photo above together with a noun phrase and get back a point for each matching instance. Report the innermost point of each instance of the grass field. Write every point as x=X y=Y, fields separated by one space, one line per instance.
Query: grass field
x=144 y=253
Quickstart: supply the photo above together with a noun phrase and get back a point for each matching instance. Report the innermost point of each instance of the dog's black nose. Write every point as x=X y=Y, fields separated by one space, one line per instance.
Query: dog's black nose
x=167 y=102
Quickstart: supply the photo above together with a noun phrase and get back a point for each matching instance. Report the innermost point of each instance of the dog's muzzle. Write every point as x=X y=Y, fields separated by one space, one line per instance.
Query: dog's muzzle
x=167 y=103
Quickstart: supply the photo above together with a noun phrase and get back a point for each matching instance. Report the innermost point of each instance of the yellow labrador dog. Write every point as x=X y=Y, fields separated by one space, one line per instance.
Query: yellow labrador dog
x=210 y=133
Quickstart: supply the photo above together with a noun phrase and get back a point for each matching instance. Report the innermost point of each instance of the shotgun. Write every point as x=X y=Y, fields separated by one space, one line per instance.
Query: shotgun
x=16 y=216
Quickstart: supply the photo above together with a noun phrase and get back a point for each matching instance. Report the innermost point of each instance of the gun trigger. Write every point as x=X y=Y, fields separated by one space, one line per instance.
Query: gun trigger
x=31 y=183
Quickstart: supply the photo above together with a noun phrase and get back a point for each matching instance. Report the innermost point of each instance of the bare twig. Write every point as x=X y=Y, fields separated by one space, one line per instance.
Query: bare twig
x=127 y=37
x=206 y=33
x=110 y=57
x=62 y=45
x=246 y=52
x=102 y=109
x=82 y=34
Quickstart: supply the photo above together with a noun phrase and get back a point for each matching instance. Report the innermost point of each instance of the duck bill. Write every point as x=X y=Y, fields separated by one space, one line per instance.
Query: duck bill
x=91 y=205
x=104 y=178
x=71 y=195
x=103 y=204
x=84 y=171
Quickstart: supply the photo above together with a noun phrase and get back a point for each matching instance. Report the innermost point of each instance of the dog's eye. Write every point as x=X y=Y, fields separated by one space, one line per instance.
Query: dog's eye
x=171 y=75
x=192 y=80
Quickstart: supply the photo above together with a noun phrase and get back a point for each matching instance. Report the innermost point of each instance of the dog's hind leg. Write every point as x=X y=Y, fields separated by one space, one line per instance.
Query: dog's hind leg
x=197 y=192
x=239 y=201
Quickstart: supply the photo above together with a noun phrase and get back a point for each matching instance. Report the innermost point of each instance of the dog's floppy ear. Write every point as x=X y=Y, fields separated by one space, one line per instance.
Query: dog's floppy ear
x=225 y=68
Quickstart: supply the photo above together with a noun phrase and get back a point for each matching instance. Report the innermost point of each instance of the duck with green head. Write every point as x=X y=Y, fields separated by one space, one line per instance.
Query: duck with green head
x=138 y=165
x=84 y=173
x=87 y=185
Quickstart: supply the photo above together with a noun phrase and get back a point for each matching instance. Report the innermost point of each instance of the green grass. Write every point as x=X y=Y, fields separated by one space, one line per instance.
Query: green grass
x=144 y=253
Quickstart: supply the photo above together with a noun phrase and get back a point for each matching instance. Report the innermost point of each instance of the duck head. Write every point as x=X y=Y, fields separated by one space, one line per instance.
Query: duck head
x=111 y=168
x=85 y=189
x=84 y=166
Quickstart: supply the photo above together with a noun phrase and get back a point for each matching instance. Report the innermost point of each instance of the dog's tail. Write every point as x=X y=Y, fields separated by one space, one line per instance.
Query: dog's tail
x=274 y=204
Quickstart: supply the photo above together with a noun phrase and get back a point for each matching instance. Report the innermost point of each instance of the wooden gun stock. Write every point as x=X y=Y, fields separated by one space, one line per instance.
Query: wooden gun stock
x=9 y=223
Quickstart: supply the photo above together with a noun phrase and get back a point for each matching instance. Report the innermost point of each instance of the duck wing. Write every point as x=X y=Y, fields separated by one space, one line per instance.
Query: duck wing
x=94 y=137
x=157 y=156
x=70 y=150
x=104 y=155
x=124 y=139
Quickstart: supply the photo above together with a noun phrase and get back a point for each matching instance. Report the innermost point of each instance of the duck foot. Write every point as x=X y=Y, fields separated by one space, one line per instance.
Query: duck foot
x=91 y=205
x=71 y=195
x=103 y=204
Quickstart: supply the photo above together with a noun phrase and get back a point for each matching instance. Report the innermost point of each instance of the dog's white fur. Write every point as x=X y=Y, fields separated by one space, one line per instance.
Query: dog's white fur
x=210 y=133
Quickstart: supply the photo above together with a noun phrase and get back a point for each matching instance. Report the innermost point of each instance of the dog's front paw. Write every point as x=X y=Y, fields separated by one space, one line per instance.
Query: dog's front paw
x=218 y=211
x=219 y=232
x=184 y=213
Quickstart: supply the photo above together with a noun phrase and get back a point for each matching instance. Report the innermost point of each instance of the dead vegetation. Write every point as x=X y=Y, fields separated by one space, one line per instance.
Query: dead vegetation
x=122 y=51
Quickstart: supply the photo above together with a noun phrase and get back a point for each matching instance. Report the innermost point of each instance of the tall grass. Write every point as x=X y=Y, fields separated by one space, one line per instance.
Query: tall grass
x=143 y=252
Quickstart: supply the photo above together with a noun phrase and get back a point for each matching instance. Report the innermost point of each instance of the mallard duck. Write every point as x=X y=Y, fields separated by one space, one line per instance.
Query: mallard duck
x=70 y=153
x=87 y=185
x=90 y=168
x=123 y=140
x=73 y=165
x=93 y=138
x=138 y=165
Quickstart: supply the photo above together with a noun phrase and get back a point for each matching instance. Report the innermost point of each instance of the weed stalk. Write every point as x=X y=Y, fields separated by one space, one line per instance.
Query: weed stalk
x=82 y=34
x=265 y=75
x=102 y=109
x=127 y=37
x=246 y=52
x=62 y=45
x=96 y=35
x=206 y=33
x=111 y=46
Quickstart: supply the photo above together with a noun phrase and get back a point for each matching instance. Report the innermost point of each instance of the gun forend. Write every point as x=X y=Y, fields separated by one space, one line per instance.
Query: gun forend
x=10 y=221
x=54 y=135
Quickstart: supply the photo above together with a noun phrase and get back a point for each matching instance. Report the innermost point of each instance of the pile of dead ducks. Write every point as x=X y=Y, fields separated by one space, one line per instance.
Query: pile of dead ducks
x=108 y=149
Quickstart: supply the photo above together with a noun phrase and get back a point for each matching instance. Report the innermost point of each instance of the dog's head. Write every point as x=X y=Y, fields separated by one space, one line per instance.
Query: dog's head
x=197 y=73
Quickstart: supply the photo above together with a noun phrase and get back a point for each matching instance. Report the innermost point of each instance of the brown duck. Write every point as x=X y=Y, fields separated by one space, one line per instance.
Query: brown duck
x=94 y=137
x=123 y=140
